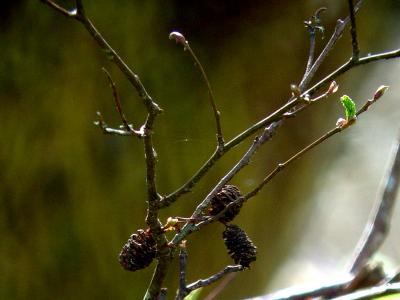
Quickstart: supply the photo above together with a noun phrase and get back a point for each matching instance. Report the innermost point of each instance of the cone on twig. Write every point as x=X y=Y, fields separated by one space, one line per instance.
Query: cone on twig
x=240 y=247
x=139 y=251
x=227 y=195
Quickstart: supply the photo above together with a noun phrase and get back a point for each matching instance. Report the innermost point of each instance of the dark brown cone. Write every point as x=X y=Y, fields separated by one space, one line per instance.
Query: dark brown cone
x=240 y=247
x=225 y=196
x=138 y=252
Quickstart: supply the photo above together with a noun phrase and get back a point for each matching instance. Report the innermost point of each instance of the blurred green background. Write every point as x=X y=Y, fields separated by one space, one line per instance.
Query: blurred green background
x=71 y=196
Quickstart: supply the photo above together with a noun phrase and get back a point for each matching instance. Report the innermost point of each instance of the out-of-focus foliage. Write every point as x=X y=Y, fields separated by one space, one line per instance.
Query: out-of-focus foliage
x=70 y=197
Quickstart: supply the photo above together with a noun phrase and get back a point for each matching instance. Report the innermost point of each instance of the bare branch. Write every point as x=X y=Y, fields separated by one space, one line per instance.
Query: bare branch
x=372 y=293
x=299 y=154
x=275 y=116
x=221 y=286
x=268 y=133
x=179 y=38
x=112 y=55
x=65 y=12
x=308 y=292
x=152 y=195
x=312 y=28
x=117 y=102
x=369 y=276
x=340 y=26
x=155 y=289
x=353 y=30
x=339 y=127
x=205 y=282
x=114 y=131
x=182 y=291
x=378 y=225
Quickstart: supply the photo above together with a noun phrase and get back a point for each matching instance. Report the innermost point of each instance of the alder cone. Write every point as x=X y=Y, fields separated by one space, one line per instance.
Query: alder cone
x=240 y=247
x=139 y=251
x=227 y=195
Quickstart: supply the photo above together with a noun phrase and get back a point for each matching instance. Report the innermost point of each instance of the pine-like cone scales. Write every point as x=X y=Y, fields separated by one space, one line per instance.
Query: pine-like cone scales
x=139 y=251
x=224 y=197
x=240 y=247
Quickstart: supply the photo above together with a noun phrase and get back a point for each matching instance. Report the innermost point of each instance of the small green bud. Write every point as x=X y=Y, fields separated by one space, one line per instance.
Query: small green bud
x=349 y=107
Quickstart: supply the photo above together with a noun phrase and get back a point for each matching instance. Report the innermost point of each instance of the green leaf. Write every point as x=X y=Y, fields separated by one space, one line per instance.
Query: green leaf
x=349 y=107
x=194 y=295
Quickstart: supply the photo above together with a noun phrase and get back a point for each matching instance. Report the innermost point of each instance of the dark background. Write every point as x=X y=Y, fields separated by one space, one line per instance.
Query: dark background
x=71 y=196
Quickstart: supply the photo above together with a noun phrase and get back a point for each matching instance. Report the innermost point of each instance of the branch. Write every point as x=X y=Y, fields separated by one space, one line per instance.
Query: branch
x=155 y=290
x=340 y=26
x=114 y=131
x=372 y=293
x=221 y=286
x=55 y=6
x=353 y=30
x=312 y=27
x=340 y=126
x=153 y=110
x=299 y=154
x=244 y=161
x=204 y=282
x=275 y=116
x=378 y=225
x=350 y=64
x=182 y=291
x=117 y=102
x=79 y=15
x=179 y=38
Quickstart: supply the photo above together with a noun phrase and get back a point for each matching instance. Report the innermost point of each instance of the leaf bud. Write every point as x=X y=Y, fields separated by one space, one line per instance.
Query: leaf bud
x=380 y=91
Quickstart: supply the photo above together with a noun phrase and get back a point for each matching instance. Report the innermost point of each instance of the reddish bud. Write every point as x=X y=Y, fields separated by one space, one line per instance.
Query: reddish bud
x=332 y=88
x=341 y=122
x=178 y=37
x=380 y=91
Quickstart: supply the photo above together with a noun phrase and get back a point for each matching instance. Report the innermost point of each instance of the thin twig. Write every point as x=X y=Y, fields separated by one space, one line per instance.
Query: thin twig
x=379 y=223
x=372 y=293
x=155 y=288
x=79 y=15
x=115 y=131
x=353 y=31
x=182 y=291
x=217 y=114
x=117 y=102
x=307 y=292
x=275 y=116
x=221 y=286
x=299 y=154
x=153 y=110
x=340 y=26
x=205 y=282
x=179 y=38
x=268 y=133
x=369 y=276
x=312 y=29
x=67 y=13
x=311 y=32
x=332 y=132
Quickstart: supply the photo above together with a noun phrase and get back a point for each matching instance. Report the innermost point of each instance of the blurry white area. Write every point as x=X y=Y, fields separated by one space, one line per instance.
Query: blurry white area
x=341 y=205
